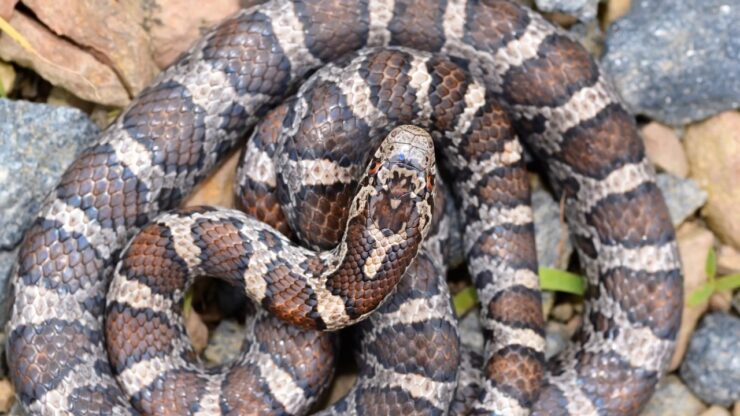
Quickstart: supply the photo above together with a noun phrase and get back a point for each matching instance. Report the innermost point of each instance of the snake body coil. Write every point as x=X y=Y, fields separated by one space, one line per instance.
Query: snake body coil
x=499 y=71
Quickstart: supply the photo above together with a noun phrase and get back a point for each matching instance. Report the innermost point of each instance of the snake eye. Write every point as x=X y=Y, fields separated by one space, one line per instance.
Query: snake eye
x=375 y=167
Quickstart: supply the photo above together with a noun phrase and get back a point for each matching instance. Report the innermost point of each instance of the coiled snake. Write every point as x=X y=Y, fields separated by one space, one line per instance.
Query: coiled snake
x=497 y=71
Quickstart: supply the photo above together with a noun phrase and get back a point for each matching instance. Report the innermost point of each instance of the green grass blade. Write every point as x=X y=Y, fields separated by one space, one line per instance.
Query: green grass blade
x=711 y=265
x=562 y=281
x=701 y=294
x=730 y=282
x=465 y=300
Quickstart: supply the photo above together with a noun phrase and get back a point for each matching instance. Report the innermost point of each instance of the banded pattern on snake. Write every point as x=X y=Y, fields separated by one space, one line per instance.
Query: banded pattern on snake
x=173 y=134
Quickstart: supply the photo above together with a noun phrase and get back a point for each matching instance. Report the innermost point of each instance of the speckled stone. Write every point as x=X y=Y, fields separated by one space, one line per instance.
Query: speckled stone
x=677 y=60
x=711 y=367
x=673 y=398
x=225 y=342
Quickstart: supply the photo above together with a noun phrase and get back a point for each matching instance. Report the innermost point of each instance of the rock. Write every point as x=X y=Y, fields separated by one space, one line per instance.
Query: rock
x=711 y=368
x=218 y=188
x=471 y=332
x=682 y=196
x=584 y=10
x=736 y=409
x=672 y=397
x=63 y=63
x=715 y=411
x=562 y=312
x=7 y=396
x=728 y=260
x=694 y=242
x=7 y=78
x=225 y=343
x=573 y=325
x=713 y=150
x=174 y=25
x=720 y=301
x=37 y=143
x=548 y=301
x=6 y=8
x=553 y=244
x=614 y=10
x=556 y=339
x=664 y=149
x=107 y=27
x=197 y=331
x=676 y=60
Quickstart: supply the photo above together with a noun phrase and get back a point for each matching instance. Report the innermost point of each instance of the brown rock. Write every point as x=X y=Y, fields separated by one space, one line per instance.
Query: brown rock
x=218 y=188
x=716 y=411
x=62 y=63
x=175 y=24
x=728 y=260
x=562 y=312
x=6 y=8
x=197 y=331
x=108 y=29
x=7 y=395
x=694 y=242
x=664 y=149
x=614 y=10
x=713 y=150
x=721 y=301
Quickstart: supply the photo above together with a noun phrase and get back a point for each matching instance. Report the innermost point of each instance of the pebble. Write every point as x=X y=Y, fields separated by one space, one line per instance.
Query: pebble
x=584 y=10
x=37 y=143
x=553 y=244
x=7 y=396
x=715 y=411
x=694 y=242
x=556 y=338
x=562 y=312
x=728 y=260
x=711 y=367
x=615 y=9
x=673 y=398
x=736 y=409
x=225 y=342
x=676 y=60
x=721 y=301
x=548 y=301
x=471 y=332
x=197 y=331
x=682 y=196
x=664 y=149
x=713 y=150
x=7 y=77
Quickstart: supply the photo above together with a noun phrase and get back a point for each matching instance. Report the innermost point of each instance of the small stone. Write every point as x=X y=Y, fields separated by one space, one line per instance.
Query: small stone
x=673 y=398
x=471 y=332
x=548 y=301
x=694 y=242
x=716 y=411
x=682 y=196
x=664 y=149
x=676 y=60
x=7 y=77
x=197 y=331
x=562 y=312
x=7 y=396
x=720 y=301
x=556 y=339
x=713 y=150
x=225 y=343
x=615 y=9
x=584 y=10
x=573 y=325
x=728 y=260
x=711 y=367
x=218 y=188
x=551 y=234
x=6 y=8
x=736 y=409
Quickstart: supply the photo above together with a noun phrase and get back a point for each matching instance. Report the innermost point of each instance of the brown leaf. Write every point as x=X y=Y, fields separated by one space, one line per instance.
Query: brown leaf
x=110 y=30
x=62 y=63
x=6 y=8
x=174 y=25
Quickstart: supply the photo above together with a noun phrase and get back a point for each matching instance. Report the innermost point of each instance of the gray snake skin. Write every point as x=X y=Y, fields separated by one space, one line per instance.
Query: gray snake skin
x=498 y=71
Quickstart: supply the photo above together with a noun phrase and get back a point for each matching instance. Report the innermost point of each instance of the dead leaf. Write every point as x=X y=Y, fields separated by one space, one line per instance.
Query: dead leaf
x=111 y=31
x=6 y=8
x=62 y=63
x=174 y=25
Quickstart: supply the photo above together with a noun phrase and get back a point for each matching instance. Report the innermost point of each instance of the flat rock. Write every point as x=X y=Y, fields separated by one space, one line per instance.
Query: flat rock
x=584 y=10
x=713 y=150
x=711 y=367
x=37 y=143
x=672 y=397
x=682 y=196
x=553 y=244
x=664 y=149
x=676 y=60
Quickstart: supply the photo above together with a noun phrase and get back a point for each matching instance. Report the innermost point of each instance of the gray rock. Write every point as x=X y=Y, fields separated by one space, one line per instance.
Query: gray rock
x=471 y=332
x=224 y=343
x=677 y=60
x=549 y=232
x=584 y=10
x=682 y=196
x=711 y=367
x=556 y=339
x=37 y=143
x=673 y=398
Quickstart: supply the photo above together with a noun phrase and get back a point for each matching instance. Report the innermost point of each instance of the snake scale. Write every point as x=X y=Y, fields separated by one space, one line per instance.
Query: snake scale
x=480 y=75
